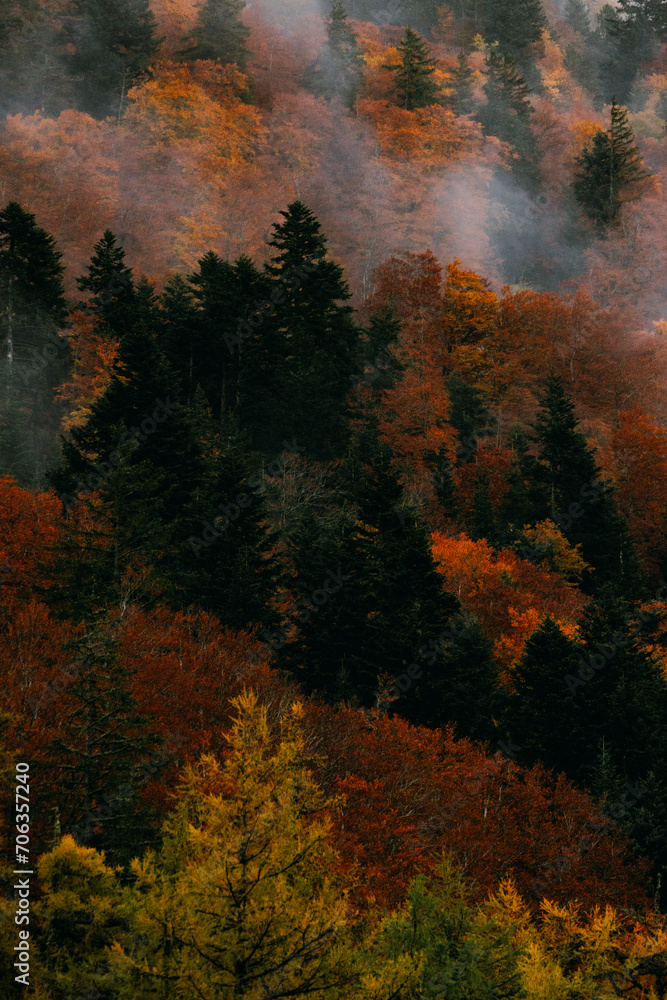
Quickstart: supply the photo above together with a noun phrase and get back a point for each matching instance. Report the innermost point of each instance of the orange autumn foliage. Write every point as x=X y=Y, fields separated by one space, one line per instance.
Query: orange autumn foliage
x=507 y=594
x=66 y=171
x=93 y=360
x=414 y=413
x=639 y=448
x=412 y=792
x=198 y=110
x=30 y=526
x=428 y=137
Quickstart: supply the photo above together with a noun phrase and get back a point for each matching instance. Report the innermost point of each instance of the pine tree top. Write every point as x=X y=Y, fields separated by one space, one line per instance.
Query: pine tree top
x=414 y=75
x=297 y=239
x=28 y=255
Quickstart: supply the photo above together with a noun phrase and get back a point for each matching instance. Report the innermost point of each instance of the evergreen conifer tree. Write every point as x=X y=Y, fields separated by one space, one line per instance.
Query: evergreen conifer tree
x=507 y=111
x=110 y=285
x=468 y=414
x=338 y=69
x=578 y=17
x=35 y=358
x=219 y=34
x=220 y=303
x=541 y=716
x=390 y=603
x=514 y=24
x=484 y=519
x=465 y=953
x=566 y=486
x=457 y=684
x=463 y=101
x=316 y=337
x=609 y=170
x=112 y=42
x=414 y=74
x=92 y=763
x=31 y=271
x=381 y=364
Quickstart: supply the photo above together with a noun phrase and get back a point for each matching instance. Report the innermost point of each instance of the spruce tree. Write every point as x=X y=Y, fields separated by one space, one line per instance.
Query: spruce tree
x=170 y=478
x=514 y=24
x=578 y=17
x=507 y=111
x=566 y=486
x=382 y=368
x=457 y=684
x=110 y=285
x=112 y=42
x=414 y=74
x=217 y=303
x=221 y=548
x=30 y=264
x=390 y=603
x=175 y=332
x=316 y=337
x=463 y=101
x=609 y=170
x=35 y=358
x=468 y=414
x=338 y=69
x=541 y=716
x=91 y=763
x=219 y=34
x=465 y=952
x=484 y=518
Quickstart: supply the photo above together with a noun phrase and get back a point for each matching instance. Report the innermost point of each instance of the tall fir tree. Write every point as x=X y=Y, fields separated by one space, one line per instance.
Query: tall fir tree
x=339 y=67
x=111 y=42
x=219 y=34
x=515 y=24
x=456 y=683
x=462 y=100
x=223 y=356
x=388 y=602
x=541 y=717
x=566 y=486
x=91 y=763
x=508 y=110
x=609 y=170
x=110 y=287
x=415 y=81
x=35 y=358
x=578 y=17
x=315 y=338
x=468 y=414
x=169 y=477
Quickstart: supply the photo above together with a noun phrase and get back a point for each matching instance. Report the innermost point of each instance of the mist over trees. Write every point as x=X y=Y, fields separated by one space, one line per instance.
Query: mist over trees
x=333 y=490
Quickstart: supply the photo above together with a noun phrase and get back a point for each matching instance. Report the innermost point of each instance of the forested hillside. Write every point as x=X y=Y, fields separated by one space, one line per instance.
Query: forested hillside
x=333 y=497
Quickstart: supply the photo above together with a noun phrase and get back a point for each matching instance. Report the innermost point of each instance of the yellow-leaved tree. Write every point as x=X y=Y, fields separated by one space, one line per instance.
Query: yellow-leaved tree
x=244 y=899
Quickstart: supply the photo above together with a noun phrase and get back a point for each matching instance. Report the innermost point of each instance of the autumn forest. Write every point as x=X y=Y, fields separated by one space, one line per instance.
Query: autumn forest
x=333 y=497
